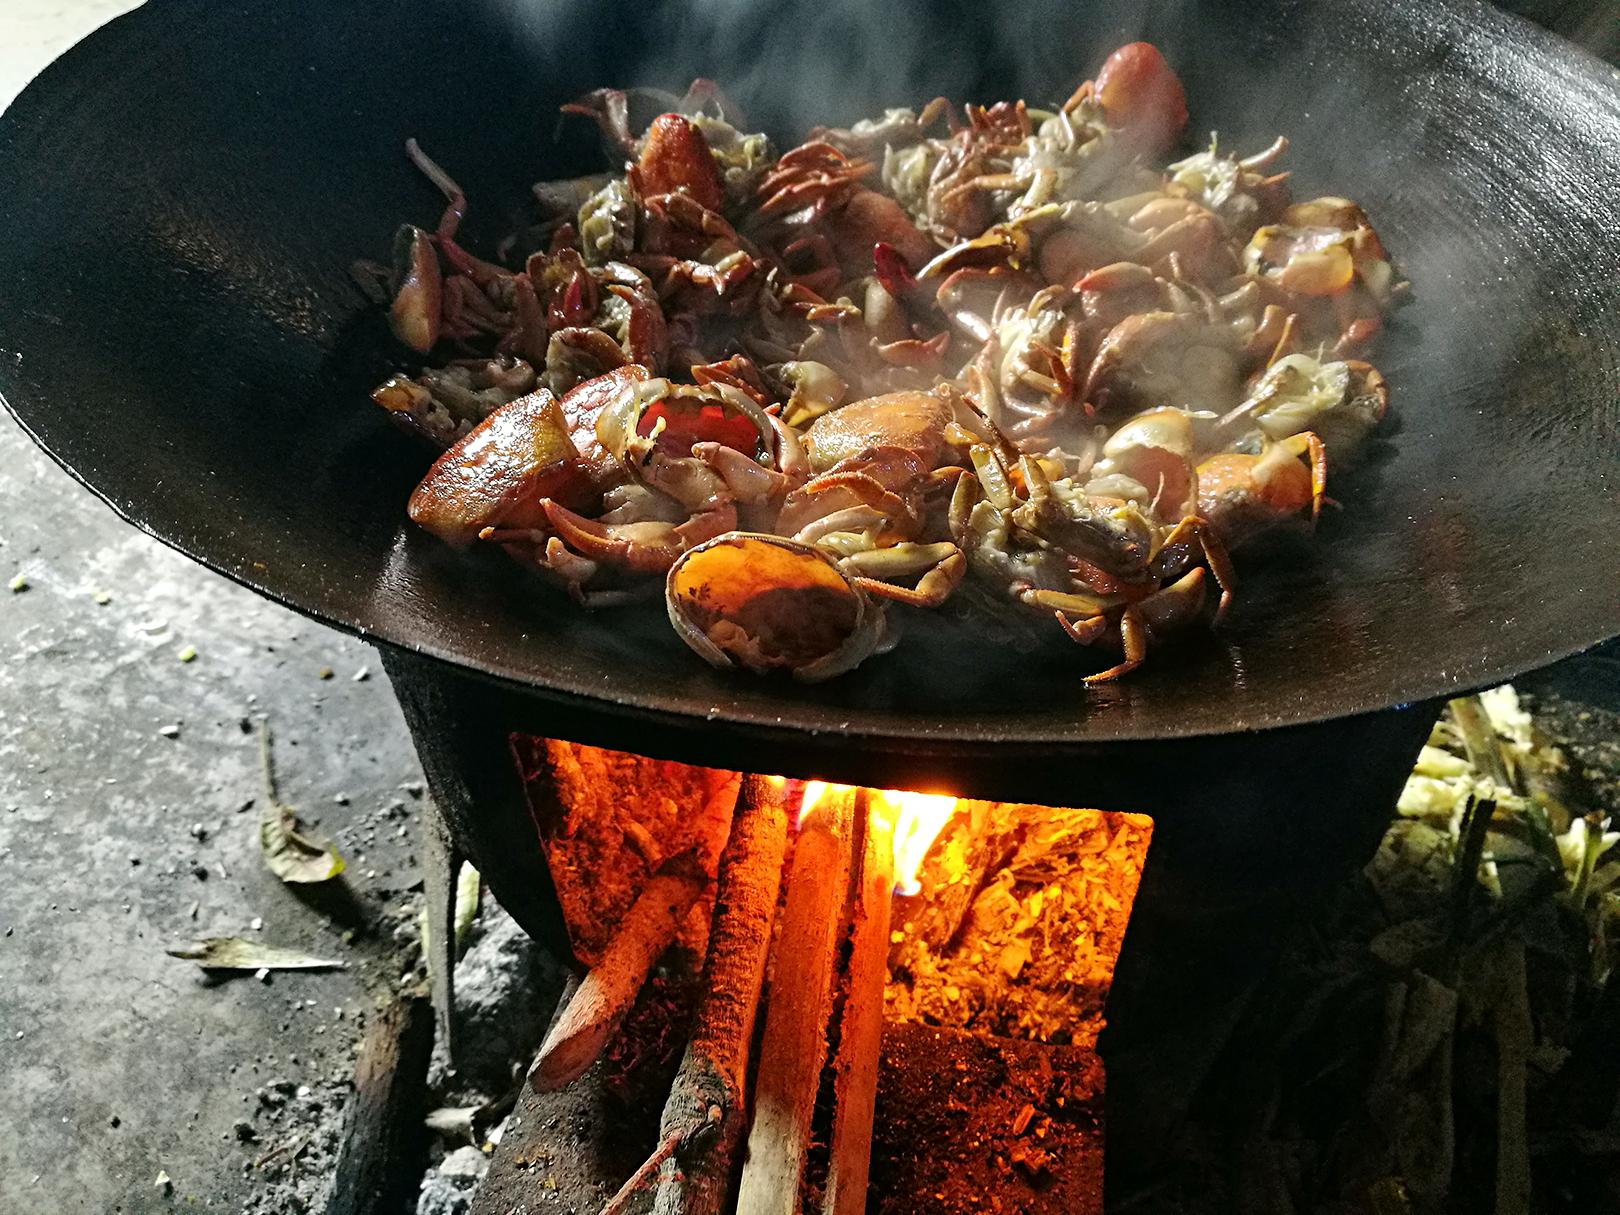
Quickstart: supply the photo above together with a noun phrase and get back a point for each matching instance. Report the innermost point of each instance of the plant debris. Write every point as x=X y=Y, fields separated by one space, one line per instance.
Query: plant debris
x=289 y=853
x=234 y=953
x=1439 y=1035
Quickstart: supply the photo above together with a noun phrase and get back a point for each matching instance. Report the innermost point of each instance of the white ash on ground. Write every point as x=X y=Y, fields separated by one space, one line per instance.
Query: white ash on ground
x=291 y=1139
x=507 y=985
x=448 y=1189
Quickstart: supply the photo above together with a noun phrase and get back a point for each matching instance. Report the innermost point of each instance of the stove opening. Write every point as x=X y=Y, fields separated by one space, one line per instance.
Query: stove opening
x=803 y=996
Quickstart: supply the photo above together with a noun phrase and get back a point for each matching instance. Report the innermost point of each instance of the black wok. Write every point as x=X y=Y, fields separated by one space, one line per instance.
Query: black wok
x=181 y=196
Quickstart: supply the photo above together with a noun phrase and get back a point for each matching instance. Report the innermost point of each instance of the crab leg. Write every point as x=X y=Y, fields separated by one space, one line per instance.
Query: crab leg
x=1083 y=631
x=1214 y=549
x=645 y=548
x=1133 y=634
x=1318 y=472
x=943 y=567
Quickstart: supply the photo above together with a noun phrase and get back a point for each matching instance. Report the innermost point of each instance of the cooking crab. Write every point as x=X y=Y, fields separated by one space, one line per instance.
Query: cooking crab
x=1061 y=355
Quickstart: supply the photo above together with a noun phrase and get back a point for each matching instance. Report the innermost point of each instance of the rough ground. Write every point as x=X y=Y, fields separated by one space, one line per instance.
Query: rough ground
x=117 y=841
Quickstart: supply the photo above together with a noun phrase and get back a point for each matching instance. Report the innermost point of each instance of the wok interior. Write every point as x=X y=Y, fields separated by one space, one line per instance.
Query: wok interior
x=205 y=360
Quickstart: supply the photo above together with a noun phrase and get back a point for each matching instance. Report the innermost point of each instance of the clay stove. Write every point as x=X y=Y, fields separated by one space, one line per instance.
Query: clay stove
x=972 y=1015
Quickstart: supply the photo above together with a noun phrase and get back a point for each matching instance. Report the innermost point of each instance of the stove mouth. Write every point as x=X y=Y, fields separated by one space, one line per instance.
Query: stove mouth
x=855 y=962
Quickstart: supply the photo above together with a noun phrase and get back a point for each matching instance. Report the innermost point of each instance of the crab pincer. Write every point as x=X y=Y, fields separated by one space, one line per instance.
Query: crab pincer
x=676 y=158
x=499 y=473
x=1142 y=97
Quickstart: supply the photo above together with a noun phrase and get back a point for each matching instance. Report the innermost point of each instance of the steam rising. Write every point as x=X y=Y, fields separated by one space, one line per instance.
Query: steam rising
x=1441 y=181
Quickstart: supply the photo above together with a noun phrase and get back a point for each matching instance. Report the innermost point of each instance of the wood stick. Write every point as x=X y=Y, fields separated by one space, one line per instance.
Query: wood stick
x=860 y=1036
x=704 y=1117
x=610 y=988
x=794 y=1047
x=380 y=1164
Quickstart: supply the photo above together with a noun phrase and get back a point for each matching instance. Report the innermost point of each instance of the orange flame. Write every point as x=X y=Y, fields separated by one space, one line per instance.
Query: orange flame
x=915 y=820
x=814 y=791
x=918 y=819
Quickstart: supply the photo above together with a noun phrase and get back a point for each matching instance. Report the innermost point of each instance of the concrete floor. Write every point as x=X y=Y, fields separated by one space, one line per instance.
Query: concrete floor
x=116 y=841
x=118 y=1062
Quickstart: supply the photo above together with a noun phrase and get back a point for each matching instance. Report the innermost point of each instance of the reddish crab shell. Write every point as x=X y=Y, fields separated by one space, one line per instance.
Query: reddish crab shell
x=676 y=158
x=1142 y=97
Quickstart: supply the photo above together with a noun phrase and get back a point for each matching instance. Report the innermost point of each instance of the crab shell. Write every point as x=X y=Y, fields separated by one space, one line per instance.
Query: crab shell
x=909 y=420
x=618 y=426
x=498 y=474
x=766 y=603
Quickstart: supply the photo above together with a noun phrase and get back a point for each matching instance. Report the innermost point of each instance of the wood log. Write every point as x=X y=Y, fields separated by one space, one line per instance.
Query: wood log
x=860 y=1033
x=568 y=1150
x=794 y=1047
x=610 y=987
x=646 y=931
x=707 y=1108
x=380 y=1163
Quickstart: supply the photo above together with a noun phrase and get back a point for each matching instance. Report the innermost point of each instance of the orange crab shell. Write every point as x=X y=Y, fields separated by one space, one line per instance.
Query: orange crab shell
x=1142 y=97
x=913 y=422
x=499 y=473
x=1231 y=492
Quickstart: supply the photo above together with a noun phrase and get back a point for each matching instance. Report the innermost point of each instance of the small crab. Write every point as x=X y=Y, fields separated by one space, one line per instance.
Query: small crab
x=873 y=466
x=1166 y=359
x=707 y=449
x=1244 y=495
x=1100 y=566
x=1341 y=402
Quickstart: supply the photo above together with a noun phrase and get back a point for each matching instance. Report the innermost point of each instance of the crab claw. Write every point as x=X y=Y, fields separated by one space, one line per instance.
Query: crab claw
x=868 y=219
x=768 y=604
x=641 y=548
x=498 y=473
x=418 y=306
x=892 y=270
x=676 y=157
x=1142 y=97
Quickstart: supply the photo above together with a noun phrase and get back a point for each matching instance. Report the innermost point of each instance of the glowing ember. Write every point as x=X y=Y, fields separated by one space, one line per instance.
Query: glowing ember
x=918 y=819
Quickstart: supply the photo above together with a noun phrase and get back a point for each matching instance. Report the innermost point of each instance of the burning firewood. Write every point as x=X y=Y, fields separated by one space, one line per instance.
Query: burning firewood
x=794 y=1048
x=713 y=1074
x=1008 y=926
x=704 y=1119
x=860 y=1030
x=610 y=987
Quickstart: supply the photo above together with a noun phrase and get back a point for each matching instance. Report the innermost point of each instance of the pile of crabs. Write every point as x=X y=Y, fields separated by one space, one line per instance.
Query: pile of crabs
x=997 y=350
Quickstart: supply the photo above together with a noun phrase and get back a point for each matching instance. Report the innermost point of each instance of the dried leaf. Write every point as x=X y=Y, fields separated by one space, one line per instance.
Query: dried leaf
x=469 y=887
x=234 y=953
x=290 y=854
